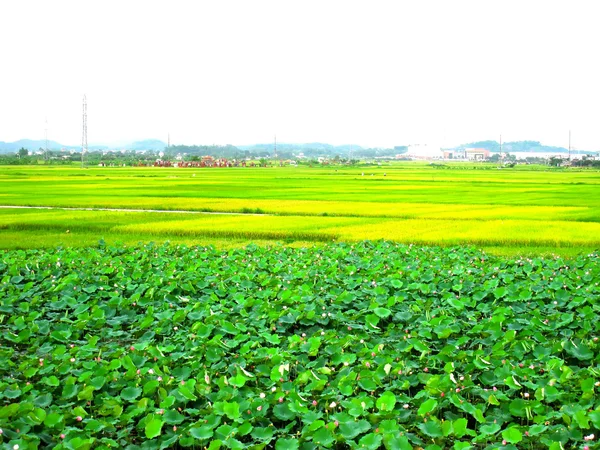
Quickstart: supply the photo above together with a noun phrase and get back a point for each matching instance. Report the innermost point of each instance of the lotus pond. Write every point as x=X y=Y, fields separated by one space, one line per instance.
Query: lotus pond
x=371 y=345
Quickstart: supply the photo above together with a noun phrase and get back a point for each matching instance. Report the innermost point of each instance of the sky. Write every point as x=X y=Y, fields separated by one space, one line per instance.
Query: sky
x=373 y=73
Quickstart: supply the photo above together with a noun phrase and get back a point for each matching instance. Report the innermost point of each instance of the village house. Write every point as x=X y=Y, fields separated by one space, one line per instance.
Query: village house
x=477 y=154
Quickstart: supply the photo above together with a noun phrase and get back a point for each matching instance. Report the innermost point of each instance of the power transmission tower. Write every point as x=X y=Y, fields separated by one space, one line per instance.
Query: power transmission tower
x=84 y=142
x=275 y=146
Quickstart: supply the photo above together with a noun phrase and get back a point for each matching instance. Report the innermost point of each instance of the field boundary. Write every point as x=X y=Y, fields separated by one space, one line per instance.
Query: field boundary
x=169 y=211
x=245 y=211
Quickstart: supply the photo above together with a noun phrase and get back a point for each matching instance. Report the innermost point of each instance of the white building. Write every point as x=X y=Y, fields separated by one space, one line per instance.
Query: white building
x=424 y=151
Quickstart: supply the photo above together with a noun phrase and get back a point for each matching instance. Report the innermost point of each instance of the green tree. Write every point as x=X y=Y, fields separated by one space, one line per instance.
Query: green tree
x=554 y=161
x=23 y=152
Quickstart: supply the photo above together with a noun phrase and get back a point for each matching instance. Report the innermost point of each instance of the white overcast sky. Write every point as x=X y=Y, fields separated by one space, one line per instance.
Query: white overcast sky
x=374 y=73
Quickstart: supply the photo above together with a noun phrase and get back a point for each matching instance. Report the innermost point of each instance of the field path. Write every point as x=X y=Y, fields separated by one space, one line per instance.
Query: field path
x=173 y=211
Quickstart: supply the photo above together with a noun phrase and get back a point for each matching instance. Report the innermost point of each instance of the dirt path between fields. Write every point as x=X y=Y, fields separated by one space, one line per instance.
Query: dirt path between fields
x=168 y=211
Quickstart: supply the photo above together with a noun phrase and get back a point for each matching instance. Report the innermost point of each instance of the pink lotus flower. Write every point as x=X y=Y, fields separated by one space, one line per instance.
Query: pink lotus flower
x=79 y=418
x=62 y=435
x=174 y=428
x=280 y=399
x=259 y=408
x=314 y=403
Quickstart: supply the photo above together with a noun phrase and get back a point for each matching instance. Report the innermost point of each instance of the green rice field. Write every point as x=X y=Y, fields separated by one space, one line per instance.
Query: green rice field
x=521 y=210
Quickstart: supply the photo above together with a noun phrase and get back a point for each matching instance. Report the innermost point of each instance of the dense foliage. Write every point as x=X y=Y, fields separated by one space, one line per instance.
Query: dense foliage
x=349 y=346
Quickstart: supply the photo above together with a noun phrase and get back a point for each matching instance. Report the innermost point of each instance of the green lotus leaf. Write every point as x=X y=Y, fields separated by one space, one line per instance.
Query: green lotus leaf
x=153 y=428
x=202 y=433
x=129 y=394
x=286 y=444
x=512 y=435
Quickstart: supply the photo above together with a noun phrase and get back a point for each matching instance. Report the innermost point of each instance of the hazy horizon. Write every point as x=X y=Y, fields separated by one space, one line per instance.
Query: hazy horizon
x=375 y=74
x=122 y=143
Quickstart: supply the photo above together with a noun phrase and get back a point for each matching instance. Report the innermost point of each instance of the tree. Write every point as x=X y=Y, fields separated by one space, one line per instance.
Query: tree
x=554 y=161
x=23 y=152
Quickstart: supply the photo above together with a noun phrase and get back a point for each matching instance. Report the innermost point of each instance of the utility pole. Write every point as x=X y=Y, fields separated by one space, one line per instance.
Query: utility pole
x=84 y=142
x=46 y=136
x=501 y=158
x=275 y=146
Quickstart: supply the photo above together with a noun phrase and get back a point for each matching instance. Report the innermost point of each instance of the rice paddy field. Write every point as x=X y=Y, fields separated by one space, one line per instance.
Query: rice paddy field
x=524 y=210
x=322 y=308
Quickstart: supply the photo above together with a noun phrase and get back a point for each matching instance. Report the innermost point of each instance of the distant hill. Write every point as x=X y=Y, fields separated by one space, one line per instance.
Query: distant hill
x=319 y=146
x=284 y=150
x=309 y=149
x=29 y=144
x=35 y=145
x=146 y=144
x=515 y=147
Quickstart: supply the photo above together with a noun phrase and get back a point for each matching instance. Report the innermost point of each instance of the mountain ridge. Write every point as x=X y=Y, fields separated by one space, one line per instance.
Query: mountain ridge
x=34 y=145
x=312 y=148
